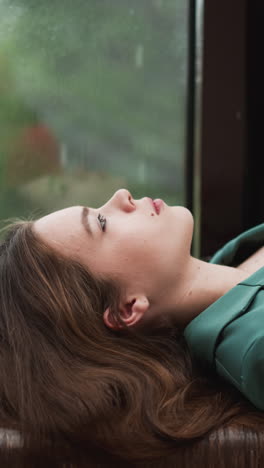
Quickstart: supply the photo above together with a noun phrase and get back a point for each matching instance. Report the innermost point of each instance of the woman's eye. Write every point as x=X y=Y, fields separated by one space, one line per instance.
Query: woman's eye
x=102 y=221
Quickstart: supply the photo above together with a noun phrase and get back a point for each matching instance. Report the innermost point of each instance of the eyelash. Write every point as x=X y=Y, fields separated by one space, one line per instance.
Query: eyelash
x=102 y=219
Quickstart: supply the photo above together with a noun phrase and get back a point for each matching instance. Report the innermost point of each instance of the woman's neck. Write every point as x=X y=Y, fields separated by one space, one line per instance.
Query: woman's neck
x=206 y=282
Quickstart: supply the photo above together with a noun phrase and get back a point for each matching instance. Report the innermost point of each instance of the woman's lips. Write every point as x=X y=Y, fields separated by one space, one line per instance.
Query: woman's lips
x=158 y=203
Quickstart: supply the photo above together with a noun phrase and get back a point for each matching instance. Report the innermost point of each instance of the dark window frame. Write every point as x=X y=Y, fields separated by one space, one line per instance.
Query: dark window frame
x=223 y=164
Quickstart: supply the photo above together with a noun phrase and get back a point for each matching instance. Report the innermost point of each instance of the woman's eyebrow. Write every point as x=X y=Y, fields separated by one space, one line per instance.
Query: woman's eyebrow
x=85 y=220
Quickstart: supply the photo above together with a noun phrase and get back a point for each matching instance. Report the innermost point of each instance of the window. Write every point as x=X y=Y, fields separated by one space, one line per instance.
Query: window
x=93 y=98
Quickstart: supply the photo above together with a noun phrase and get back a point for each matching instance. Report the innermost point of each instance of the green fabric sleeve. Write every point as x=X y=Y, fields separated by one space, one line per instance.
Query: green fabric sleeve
x=229 y=334
x=253 y=373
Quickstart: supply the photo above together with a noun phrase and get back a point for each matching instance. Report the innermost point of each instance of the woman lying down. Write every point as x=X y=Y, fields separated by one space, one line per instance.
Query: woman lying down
x=113 y=335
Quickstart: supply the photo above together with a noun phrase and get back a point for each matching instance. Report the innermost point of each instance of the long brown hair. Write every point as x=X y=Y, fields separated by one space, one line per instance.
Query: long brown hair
x=66 y=377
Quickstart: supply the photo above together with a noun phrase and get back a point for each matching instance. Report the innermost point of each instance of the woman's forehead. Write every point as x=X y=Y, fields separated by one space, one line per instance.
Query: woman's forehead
x=60 y=226
x=66 y=215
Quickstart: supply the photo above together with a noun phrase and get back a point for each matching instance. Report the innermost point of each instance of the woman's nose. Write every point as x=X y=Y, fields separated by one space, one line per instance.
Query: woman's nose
x=123 y=200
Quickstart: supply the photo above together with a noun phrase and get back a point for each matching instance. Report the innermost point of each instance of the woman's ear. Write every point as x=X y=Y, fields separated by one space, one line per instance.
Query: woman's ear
x=130 y=312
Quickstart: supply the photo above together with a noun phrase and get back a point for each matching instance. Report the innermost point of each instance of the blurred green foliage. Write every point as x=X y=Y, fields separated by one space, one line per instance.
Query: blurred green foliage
x=107 y=80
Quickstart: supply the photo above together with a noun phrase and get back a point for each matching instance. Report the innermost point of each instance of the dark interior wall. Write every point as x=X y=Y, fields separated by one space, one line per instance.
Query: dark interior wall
x=231 y=168
x=223 y=138
x=254 y=193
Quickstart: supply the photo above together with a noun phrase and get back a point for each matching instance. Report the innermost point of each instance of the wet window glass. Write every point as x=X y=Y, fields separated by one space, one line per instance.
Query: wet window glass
x=92 y=99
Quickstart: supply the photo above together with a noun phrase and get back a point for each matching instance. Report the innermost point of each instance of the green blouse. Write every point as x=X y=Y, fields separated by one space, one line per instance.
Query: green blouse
x=229 y=334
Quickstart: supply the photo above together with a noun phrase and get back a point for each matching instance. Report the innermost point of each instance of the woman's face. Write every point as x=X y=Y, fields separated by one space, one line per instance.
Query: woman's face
x=126 y=239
